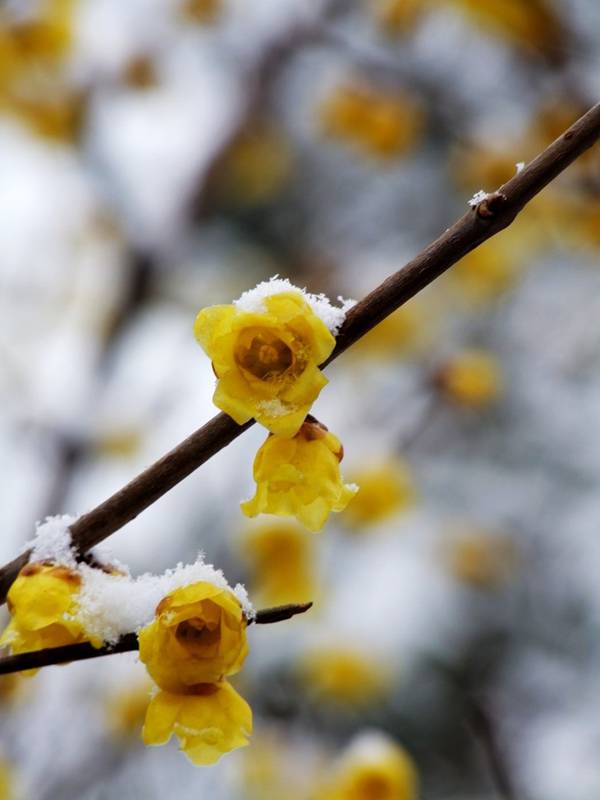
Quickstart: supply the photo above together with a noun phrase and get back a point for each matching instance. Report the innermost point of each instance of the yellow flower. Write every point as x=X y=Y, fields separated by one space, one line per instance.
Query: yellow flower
x=344 y=675
x=534 y=25
x=398 y=17
x=384 y=771
x=472 y=378
x=266 y=363
x=43 y=605
x=385 y=489
x=281 y=560
x=255 y=168
x=382 y=125
x=300 y=477
x=198 y=636
x=208 y=723
x=201 y=11
x=7 y=782
x=481 y=559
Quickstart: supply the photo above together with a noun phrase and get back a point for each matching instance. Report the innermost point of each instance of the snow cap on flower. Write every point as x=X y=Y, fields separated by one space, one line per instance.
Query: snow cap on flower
x=300 y=477
x=266 y=349
x=212 y=721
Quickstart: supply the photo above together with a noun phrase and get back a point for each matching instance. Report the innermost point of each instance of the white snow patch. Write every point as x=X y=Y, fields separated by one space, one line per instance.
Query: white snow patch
x=275 y=408
x=52 y=541
x=477 y=198
x=112 y=605
x=253 y=302
x=520 y=165
x=370 y=747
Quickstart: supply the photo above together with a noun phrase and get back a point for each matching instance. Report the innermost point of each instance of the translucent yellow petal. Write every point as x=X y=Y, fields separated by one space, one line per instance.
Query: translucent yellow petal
x=160 y=718
x=211 y=322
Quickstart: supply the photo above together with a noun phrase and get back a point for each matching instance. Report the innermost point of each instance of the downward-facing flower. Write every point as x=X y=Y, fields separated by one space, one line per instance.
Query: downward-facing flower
x=43 y=606
x=300 y=477
x=212 y=720
x=267 y=362
x=197 y=636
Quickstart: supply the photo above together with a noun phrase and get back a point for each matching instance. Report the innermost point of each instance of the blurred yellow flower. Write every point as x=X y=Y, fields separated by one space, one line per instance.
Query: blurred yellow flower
x=382 y=770
x=381 y=125
x=267 y=364
x=281 y=560
x=197 y=636
x=404 y=332
x=256 y=167
x=535 y=26
x=398 y=17
x=300 y=477
x=32 y=86
x=202 y=11
x=471 y=378
x=120 y=443
x=344 y=675
x=7 y=783
x=43 y=606
x=487 y=272
x=481 y=559
x=209 y=722
x=386 y=488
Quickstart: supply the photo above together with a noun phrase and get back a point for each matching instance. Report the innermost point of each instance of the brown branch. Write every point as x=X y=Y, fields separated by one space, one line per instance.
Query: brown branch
x=491 y=216
x=126 y=644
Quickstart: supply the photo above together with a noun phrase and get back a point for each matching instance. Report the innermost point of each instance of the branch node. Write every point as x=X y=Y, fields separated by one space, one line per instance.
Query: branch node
x=490 y=205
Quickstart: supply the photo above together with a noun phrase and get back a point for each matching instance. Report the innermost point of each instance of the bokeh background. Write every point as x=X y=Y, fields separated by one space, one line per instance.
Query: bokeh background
x=157 y=156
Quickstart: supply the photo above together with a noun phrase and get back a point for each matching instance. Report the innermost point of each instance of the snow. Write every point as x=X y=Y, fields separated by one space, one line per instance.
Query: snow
x=52 y=541
x=371 y=746
x=520 y=165
x=275 y=408
x=253 y=302
x=477 y=198
x=112 y=604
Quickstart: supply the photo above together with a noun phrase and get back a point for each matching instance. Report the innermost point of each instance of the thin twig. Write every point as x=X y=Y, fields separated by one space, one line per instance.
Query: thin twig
x=488 y=218
x=126 y=644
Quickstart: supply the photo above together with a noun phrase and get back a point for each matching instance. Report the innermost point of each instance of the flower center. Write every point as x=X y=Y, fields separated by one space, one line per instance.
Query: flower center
x=263 y=354
x=374 y=787
x=196 y=634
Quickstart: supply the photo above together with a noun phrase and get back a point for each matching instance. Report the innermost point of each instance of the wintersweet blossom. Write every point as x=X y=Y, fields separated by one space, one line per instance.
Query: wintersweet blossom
x=373 y=767
x=300 y=477
x=386 y=488
x=281 y=560
x=266 y=362
x=43 y=606
x=197 y=636
x=212 y=720
x=472 y=378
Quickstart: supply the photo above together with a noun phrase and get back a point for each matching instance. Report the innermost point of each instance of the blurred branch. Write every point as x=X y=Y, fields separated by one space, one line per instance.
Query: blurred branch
x=490 y=216
x=126 y=644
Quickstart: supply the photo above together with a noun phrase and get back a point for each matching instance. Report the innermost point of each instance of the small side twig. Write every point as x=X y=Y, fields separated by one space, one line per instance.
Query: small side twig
x=126 y=644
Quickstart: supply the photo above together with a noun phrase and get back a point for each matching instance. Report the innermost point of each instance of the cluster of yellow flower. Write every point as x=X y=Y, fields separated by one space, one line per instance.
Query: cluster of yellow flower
x=196 y=640
x=378 y=124
x=267 y=365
